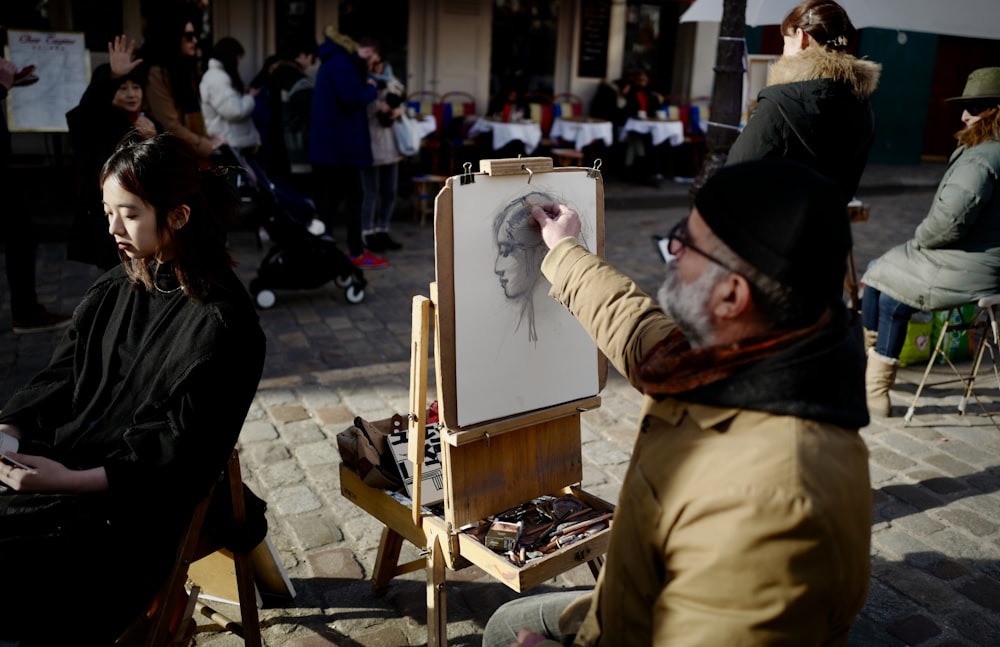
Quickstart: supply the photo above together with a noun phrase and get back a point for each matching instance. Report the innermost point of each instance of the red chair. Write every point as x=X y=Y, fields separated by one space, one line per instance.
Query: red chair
x=458 y=114
x=567 y=104
x=427 y=103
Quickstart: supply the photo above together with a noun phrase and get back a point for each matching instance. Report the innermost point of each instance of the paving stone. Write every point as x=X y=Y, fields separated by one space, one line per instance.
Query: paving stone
x=978 y=627
x=286 y=413
x=301 y=432
x=333 y=415
x=280 y=474
x=885 y=605
x=984 y=591
x=936 y=483
x=336 y=564
x=314 y=531
x=902 y=545
x=924 y=589
x=970 y=521
x=294 y=499
x=915 y=495
x=948 y=569
x=961 y=545
x=890 y=459
x=919 y=525
x=950 y=465
x=322 y=453
x=257 y=431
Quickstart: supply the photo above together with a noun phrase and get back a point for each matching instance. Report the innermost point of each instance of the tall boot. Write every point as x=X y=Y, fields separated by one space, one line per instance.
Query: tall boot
x=870 y=336
x=880 y=373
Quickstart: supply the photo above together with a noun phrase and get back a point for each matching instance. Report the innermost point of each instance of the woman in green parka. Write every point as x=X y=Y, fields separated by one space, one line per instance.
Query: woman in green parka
x=954 y=255
x=816 y=107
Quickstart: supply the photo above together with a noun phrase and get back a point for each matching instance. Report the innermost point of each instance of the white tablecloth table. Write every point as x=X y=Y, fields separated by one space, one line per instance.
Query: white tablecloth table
x=426 y=124
x=582 y=131
x=528 y=132
x=661 y=130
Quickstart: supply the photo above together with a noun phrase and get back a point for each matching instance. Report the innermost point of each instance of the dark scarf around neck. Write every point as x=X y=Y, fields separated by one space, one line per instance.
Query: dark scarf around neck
x=815 y=372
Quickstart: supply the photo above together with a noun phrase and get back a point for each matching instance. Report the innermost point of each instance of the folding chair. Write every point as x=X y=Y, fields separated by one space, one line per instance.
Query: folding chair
x=170 y=618
x=986 y=339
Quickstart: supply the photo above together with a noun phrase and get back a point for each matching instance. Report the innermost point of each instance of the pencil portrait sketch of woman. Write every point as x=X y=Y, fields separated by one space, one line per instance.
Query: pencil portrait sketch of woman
x=520 y=251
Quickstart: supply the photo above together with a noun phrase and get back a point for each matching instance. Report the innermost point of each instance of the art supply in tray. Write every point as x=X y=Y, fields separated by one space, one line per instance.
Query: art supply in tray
x=539 y=527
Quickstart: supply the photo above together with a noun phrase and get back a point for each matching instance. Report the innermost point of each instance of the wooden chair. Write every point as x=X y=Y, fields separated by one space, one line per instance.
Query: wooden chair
x=567 y=104
x=425 y=189
x=458 y=114
x=170 y=618
x=427 y=103
x=567 y=157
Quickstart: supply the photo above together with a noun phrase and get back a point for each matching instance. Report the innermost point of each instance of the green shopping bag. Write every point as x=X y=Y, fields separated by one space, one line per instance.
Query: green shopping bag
x=919 y=341
x=958 y=343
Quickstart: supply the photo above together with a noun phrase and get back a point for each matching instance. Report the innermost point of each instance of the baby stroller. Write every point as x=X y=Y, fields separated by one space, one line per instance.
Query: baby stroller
x=302 y=256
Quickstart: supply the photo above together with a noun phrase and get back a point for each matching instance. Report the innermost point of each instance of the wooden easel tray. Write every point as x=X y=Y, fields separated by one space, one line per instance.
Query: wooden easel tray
x=466 y=549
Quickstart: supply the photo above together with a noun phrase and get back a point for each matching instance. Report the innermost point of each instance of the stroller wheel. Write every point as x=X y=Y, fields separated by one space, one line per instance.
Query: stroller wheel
x=343 y=281
x=265 y=299
x=354 y=294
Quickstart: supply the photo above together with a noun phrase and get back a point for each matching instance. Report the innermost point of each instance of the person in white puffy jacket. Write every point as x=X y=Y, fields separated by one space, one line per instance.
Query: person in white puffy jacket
x=227 y=106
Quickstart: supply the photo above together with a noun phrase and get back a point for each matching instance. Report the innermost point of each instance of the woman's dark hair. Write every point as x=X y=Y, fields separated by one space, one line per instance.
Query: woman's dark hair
x=164 y=28
x=824 y=20
x=228 y=51
x=163 y=173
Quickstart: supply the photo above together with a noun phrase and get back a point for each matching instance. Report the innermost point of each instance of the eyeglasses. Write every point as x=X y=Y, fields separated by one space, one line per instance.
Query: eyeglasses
x=979 y=107
x=678 y=239
x=190 y=35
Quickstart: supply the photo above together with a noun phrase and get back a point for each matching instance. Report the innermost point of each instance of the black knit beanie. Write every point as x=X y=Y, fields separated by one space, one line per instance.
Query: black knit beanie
x=786 y=220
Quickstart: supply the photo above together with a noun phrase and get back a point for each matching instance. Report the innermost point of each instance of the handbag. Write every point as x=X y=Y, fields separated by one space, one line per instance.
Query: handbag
x=407 y=137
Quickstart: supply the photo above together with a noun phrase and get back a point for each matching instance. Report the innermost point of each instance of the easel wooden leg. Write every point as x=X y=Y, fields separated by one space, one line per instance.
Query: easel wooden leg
x=437 y=612
x=386 y=560
x=596 y=565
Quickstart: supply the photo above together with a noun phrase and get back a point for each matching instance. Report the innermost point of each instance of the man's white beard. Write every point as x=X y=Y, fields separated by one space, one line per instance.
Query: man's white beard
x=687 y=303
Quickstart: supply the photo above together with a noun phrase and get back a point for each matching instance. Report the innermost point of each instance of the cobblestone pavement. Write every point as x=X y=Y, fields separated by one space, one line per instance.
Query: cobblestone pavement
x=935 y=522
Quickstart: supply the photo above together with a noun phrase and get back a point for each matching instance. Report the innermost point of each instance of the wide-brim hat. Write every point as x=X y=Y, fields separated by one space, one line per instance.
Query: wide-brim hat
x=982 y=84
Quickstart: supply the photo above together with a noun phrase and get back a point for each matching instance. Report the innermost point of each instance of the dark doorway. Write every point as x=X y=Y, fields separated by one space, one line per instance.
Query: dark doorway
x=956 y=58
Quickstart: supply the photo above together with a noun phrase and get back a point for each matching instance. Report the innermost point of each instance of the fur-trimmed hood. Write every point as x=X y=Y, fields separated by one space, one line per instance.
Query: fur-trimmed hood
x=820 y=63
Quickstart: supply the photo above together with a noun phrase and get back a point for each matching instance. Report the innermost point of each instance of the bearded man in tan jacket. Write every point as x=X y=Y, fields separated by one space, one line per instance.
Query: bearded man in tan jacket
x=744 y=517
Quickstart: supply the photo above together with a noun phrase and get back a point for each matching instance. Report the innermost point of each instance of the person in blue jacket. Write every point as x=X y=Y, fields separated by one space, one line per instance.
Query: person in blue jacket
x=339 y=142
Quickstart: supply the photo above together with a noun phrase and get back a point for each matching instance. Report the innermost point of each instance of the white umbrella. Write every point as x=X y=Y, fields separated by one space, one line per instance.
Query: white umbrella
x=969 y=18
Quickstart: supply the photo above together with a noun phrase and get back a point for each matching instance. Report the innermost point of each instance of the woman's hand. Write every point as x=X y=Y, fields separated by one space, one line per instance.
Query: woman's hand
x=7 y=72
x=145 y=126
x=120 y=56
x=47 y=475
x=11 y=430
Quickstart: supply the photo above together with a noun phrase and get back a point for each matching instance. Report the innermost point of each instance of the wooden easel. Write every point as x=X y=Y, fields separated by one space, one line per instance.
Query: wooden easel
x=487 y=468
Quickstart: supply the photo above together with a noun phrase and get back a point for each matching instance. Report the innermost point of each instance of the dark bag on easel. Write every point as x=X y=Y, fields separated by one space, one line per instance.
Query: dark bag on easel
x=364 y=447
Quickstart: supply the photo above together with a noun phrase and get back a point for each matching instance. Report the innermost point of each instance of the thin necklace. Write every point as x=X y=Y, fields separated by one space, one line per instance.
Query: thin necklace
x=162 y=291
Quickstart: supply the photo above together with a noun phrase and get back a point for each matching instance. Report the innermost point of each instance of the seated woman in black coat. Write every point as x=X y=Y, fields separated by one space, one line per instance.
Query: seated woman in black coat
x=137 y=412
x=110 y=107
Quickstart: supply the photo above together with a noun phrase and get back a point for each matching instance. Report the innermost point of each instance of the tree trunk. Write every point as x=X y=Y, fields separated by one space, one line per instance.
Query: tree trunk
x=727 y=91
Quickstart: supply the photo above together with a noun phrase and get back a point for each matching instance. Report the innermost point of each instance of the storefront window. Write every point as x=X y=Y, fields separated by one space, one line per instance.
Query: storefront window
x=385 y=21
x=523 y=57
x=651 y=39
